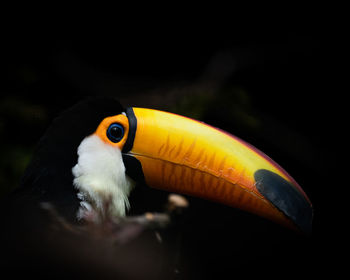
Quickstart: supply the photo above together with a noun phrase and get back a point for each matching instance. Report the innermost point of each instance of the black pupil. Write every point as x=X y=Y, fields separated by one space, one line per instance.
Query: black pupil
x=116 y=132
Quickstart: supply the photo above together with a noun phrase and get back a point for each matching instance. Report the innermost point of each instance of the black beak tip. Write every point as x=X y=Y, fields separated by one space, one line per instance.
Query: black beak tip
x=286 y=198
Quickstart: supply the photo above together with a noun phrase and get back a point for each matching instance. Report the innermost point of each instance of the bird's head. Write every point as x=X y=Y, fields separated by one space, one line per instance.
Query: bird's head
x=105 y=148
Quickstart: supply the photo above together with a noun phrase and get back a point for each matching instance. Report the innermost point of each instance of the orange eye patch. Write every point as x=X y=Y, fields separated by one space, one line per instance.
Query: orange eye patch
x=114 y=130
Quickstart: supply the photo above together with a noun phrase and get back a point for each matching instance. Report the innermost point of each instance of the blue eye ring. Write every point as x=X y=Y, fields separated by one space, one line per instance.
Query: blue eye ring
x=115 y=132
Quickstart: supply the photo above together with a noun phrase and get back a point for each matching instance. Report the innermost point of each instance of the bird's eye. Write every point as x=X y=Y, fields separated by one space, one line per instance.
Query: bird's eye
x=115 y=132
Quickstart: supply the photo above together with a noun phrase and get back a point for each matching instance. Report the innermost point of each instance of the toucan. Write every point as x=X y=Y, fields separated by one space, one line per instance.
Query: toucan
x=98 y=150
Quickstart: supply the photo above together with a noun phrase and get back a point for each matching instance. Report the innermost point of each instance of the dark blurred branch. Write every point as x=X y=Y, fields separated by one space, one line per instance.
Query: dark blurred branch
x=100 y=225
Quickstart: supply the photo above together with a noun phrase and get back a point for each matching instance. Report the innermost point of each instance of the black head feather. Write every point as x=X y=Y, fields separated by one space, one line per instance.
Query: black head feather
x=49 y=176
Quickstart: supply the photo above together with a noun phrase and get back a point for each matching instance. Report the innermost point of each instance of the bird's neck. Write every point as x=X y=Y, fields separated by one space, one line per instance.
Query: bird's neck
x=100 y=178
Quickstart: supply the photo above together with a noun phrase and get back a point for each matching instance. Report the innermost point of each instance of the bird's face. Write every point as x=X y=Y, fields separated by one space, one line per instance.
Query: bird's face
x=99 y=174
x=182 y=155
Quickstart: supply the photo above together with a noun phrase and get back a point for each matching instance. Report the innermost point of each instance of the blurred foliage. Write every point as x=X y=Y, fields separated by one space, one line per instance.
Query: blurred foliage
x=192 y=106
x=20 y=121
x=12 y=107
x=13 y=162
x=233 y=104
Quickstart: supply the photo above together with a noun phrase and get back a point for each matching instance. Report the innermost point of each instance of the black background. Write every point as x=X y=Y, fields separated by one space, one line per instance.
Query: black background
x=272 y=86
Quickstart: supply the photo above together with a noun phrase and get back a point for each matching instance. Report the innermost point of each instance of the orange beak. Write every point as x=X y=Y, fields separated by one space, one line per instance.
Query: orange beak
x=182 y=155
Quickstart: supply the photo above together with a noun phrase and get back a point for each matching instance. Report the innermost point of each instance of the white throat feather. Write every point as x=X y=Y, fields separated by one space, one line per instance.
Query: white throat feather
x=99 y=176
